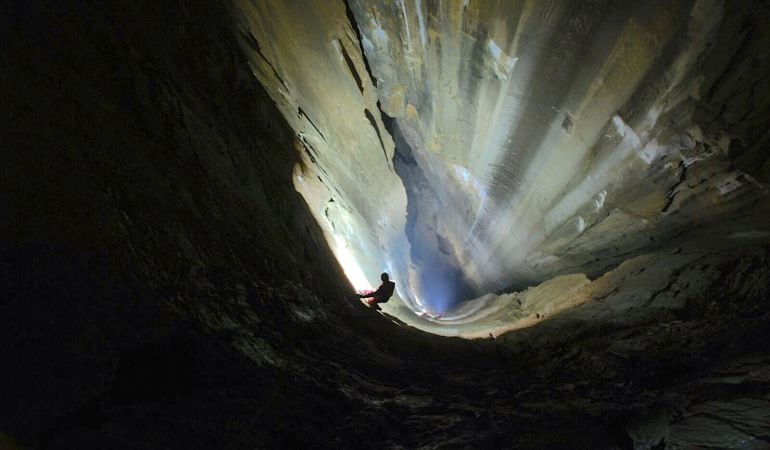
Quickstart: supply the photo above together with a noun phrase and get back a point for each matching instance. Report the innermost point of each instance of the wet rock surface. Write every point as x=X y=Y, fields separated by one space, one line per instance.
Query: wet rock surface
x=162 y=285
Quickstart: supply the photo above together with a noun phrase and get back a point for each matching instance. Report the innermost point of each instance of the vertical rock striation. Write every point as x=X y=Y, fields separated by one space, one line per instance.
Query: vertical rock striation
x=536 y=138
x=307 y=55
x=567 y=137
x=163 y=285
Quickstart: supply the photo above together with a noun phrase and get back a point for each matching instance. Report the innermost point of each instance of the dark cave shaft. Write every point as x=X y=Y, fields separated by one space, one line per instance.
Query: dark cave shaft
x=163 y=285
x=440 y=285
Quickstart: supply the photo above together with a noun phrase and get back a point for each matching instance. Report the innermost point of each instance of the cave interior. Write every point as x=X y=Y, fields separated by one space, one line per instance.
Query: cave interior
x=572 y=198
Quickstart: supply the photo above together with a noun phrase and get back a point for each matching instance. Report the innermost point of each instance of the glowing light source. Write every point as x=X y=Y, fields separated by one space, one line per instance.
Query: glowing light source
x=349 y=265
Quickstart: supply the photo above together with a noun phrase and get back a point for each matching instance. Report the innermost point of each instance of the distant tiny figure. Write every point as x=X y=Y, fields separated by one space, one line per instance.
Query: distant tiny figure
x=382 y=294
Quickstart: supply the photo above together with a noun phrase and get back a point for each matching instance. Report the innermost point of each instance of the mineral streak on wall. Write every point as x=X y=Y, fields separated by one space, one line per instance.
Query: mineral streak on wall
x=532 y=138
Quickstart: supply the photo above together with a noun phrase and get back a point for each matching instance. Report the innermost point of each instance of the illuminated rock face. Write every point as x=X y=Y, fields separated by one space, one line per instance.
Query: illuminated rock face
x=531 y=138
x=163 y=285
x=307 y=56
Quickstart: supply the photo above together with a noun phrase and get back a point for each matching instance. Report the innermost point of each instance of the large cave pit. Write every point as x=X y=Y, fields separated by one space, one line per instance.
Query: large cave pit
x=571 y=196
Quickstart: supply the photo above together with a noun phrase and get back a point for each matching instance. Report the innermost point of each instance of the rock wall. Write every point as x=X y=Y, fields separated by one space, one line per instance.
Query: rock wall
x=308 y=57
x=567 y=137
x=532 y=138
x=146 y=209
x=163 y=285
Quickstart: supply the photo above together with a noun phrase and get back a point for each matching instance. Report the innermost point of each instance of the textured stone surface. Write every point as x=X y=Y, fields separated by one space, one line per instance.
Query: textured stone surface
x=163 y=285
x=307 y=55
x=147 y=204
x=532 y=138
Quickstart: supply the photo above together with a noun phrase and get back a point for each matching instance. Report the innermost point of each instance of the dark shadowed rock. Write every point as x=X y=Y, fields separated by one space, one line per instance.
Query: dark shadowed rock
x=177 y=178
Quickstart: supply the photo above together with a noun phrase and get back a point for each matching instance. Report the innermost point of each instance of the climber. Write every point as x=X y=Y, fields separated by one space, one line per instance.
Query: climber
x=382 y=294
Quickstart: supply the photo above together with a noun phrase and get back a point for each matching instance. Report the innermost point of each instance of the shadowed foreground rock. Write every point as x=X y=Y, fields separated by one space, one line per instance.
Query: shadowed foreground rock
x=163 y=285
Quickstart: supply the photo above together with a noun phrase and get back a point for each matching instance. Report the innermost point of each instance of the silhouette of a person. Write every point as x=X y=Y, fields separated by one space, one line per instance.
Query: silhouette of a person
x=383 y=293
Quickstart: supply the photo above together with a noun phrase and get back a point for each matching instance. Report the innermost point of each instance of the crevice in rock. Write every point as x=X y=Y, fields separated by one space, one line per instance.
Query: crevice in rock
x=373 y=123
x=673 y=278
x=301 y=113
x=354 y=25
x=309 y=154
x=672 y=192
x=312 y=153
x=254 y=44
x=352 y=67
